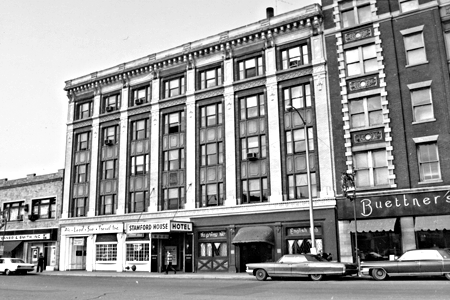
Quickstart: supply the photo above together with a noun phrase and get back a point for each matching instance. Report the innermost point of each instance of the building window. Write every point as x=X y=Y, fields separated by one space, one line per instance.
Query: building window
x=139 y=164
x=366 y=112
x=44 y=208
x=81 y=172
x=372 y=168
x=212 y=194
x=82 y=141
x=210 y=78
x=254 y=190
x=174 y=87
x=110 y=135
x=298 y=185
x=107 y=205
x=297 y=96
x=174 y=122
x=109 y=169
x=111 y=103
x=211 y=115
x=295 y=140
x=211 y=154
x=250 y=68
x=79 y=208
x=83 y=110
x=354 y=12
x=407 y=5
x=294 y=57
x=141 y=95
x=137 y=202
x=139 y=130
x=361 y=60
x=174 y=159
x=13 y=211
x=174 y=198
x=429 y=166
x=106 y=252
x=447 y=43
x=138 y=252
x=422 y=105
x=252 y=107
x=414 y=45
x=254 y=145
x=219 y=249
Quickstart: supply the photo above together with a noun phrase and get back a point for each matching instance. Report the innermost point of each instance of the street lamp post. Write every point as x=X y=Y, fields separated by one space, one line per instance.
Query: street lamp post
x=290 y=108
x=349 y=191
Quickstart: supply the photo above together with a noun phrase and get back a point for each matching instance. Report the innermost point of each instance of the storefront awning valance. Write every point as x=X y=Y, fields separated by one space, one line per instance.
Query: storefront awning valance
x=432 y=223
x=10 y=246
x=374 y=225
x=256 y=234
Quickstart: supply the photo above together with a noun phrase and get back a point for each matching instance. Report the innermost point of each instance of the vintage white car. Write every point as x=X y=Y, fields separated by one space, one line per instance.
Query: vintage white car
x=14 y=265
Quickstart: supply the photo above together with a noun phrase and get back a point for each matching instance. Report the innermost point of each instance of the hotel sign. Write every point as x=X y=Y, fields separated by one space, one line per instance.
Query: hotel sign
x=93 y=229
x=164 y=226
x=413 y=204
x=24 y=237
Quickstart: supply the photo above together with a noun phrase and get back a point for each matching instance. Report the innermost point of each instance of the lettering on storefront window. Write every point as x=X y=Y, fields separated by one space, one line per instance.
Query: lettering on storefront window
x=213 y=234
x=302 y=230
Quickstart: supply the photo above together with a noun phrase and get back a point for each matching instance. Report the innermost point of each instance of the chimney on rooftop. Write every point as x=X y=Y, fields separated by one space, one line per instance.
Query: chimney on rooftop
x=269 y=12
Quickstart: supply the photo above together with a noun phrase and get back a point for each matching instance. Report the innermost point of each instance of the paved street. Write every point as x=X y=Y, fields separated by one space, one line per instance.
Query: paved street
x=44 y=287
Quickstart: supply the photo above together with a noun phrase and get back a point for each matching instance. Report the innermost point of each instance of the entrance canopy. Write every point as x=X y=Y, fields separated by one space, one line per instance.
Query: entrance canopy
x=256 y=234
x=373 y=225
x=432 y=223
x=10 y=246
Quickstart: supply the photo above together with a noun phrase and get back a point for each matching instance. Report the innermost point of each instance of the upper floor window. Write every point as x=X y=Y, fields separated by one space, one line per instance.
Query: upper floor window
x=294 y=57
x=174 y=122
x=14 y=211
x=366 y=112
x=250 y=67
x=141 y=95
x=79 y=207
x=298 y=96
x=139 y=129
x=296 y=140
x=110 y=135
x=107 y=205
x=210 y=78
x=354 y=12
x=174 y=87
x=111 y=103
x=422 y=104
x=252 y=107
x=372 y=168
x=361 y=60
x=83 y=110
x=81 y=172
x=139 y=164
x=414 y=45
x=173 y=159
x=44 y=208
x=428 y=158
x=211 y=115
x=407 y=5
x=136 y=202
x=109 y=169
x=82 y=141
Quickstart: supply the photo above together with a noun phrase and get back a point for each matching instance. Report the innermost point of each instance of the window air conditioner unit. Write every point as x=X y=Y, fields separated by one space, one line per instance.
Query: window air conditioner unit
x=19 y=218
x=293 y=64
x=108 y=142
x=139 y=101
x=252 y=156
x=109 y=108
x=32 y=217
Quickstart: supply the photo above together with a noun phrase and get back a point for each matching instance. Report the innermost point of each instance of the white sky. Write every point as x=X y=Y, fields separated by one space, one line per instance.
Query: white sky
x=43 y=43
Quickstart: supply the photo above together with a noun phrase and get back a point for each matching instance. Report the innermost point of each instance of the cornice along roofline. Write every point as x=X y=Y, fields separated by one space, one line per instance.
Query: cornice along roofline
x=309 y=16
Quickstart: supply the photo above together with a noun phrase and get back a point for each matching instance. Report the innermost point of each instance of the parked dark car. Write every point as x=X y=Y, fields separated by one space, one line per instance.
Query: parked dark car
x=295 y=265
x=412 y=263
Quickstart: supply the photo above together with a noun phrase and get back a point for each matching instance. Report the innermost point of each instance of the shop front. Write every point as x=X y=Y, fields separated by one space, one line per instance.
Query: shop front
x=148 y=243
x=228 y=243
x=388 y=225
x=29 y=244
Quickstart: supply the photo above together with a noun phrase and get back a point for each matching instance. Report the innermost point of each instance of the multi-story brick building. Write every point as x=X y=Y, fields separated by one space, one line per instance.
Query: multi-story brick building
x=191 y=150
x=31 y=208
x=389 y=91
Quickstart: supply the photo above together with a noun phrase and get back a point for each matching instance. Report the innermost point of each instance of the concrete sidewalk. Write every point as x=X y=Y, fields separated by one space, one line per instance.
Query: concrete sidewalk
x=131 y=274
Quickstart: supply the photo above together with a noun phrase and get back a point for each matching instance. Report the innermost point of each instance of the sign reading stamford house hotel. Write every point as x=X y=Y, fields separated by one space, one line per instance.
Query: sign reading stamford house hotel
x=414 y=204
x=164 y=226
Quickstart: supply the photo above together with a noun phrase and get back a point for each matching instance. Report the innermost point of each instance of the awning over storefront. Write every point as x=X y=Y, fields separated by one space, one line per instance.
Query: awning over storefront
x=373 y=225
x=432 y=223
x=10 y=246
x=256 y=234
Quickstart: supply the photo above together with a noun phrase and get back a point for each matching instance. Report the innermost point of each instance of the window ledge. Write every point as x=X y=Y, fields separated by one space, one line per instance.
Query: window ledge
x=366 y=188
x=283 y=71
x=424 y=121
x=173 y=98
x=381 y=126
x=361 y=75
x=418 y=64
x=431 y=181
x=249 y=79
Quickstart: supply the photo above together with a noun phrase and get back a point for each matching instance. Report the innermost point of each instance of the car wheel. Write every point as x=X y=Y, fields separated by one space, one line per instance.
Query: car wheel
x=447 y=275
x=7 y=272
x=316 y=277
x=261 y=274
x=379 y=274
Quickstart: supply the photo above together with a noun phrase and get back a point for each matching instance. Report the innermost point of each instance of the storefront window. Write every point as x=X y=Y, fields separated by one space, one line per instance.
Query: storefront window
x=137 y=252
x=301 y=246
x=433 y=239
x=378 y=245
x=213 y=249
x=106 y=252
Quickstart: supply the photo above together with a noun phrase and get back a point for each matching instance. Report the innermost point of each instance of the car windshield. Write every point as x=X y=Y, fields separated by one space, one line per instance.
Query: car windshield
x=293 y=259
x=17 y=260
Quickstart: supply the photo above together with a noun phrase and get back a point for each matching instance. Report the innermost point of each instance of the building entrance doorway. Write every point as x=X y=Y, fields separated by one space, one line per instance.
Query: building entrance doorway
x=78 y=257
x=254 y=253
